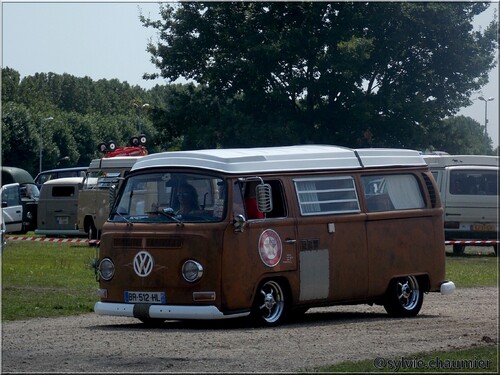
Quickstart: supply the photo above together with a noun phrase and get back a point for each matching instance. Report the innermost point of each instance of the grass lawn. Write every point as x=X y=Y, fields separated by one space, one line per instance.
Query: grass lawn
x=43 y=279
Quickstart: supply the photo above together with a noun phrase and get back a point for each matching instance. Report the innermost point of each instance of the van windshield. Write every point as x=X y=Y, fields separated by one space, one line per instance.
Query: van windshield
x=171 y=197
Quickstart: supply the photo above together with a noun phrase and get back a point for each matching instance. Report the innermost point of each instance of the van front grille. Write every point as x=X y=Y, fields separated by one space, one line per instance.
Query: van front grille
x=153 y=242
x=162 y=243
x=127 y=242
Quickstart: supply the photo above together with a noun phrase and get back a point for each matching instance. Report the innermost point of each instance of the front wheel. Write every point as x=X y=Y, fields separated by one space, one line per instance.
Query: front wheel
x=271 y=304
x=404 y=297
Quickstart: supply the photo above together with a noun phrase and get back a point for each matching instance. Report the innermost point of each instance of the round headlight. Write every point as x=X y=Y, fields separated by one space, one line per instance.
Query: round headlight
x=106 y=269
x=192 y=271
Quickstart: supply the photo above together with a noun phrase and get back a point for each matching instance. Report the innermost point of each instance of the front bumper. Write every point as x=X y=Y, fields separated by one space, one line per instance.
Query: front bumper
x=167 y=312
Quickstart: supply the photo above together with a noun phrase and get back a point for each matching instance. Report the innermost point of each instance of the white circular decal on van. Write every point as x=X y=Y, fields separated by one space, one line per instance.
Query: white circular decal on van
x=270 y=248
x=143 y=263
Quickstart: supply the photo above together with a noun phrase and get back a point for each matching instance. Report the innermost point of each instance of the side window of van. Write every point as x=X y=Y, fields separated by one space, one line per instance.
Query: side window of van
x=63 y=191
x=245 y=201
x=279 y=206
x=326 y=195
x=392 y=192
x=472 y=182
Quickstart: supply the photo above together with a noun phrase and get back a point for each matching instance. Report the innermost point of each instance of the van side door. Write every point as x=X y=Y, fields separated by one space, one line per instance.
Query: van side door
x=12 y=209
x=266 y=247
x=331 y=239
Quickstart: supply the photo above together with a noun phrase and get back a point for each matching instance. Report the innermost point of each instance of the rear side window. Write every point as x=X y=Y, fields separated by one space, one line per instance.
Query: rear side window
x=392 y=192
x=63 y=191
x=473 y=182
x=326 y=195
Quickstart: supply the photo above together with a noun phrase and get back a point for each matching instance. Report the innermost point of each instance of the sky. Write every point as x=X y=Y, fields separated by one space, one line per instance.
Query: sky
x=107 y=41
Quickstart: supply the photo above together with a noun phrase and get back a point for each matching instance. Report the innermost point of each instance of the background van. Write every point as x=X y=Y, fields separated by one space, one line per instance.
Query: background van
x=94 y=201
x=468 y=185
x=29 y=194
x=58 y=207
x=53 y=174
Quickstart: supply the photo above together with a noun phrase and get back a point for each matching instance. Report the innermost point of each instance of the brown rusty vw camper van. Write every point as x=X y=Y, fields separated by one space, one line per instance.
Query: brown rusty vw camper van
x=263 y=232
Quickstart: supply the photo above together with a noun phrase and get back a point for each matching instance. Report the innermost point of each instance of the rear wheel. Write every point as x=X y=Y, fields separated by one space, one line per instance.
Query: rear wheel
x=458 y=249
x=271 y=304
x=404 y=297
x=92 y=232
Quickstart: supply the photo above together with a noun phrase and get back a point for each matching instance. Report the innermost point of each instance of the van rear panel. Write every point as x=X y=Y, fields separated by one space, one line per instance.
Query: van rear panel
x=471 y=203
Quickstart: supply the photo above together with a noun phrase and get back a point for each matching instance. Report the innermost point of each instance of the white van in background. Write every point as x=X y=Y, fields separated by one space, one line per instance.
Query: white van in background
x=58 y=207
x=468 y=185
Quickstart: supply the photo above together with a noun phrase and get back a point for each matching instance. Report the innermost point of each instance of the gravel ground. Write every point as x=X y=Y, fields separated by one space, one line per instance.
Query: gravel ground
x=92 y=343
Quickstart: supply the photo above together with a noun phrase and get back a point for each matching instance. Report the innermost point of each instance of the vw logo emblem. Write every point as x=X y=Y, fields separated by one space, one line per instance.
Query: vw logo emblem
x=143 y=263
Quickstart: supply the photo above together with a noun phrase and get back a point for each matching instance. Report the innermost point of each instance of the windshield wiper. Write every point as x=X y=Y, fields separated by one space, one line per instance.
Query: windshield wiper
x=124 y=218
x=170 y=213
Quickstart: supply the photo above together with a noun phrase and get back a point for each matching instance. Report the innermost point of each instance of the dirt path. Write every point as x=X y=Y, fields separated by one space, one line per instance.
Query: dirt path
x=92 y=343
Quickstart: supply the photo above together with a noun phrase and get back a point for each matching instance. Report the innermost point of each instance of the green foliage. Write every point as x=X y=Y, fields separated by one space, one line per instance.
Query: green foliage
x=460 y=135
x=356 y=74
x=84 y=114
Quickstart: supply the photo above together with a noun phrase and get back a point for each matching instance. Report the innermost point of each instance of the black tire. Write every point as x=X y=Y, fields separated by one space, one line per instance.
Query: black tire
x=142 y=139
x=134 y=141
x=495 y=249
x=101 y=147
x=404 y=297
x=458 y=249
x=111 y=145
x=271 y=304
x=93 y=233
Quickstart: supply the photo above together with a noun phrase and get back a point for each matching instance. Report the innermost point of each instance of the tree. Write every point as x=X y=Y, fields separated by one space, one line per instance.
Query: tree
x=375 y=74
x=460 y=135
x=84 y=114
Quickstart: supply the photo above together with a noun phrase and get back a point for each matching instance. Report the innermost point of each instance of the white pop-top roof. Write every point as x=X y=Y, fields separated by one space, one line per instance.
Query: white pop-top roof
x=64 y=181
x=115 y=162
x=442 y=161
x=281 y=159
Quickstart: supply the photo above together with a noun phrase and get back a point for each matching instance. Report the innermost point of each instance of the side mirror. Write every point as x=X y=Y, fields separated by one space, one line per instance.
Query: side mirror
x=239 y=223
x=264 y=197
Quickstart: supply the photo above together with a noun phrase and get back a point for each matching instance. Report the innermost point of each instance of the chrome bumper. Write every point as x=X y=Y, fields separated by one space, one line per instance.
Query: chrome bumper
x=172 y=312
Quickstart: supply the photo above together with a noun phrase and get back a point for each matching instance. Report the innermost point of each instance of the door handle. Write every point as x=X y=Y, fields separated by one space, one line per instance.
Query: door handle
x=290 y=241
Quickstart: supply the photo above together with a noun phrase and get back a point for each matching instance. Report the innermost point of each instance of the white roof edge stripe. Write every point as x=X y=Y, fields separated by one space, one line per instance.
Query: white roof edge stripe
x=284 y=158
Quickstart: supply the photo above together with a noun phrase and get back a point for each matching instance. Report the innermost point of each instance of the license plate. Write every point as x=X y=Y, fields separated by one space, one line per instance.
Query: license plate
x=484 y=228
x=145 y=297
x=62 y=220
